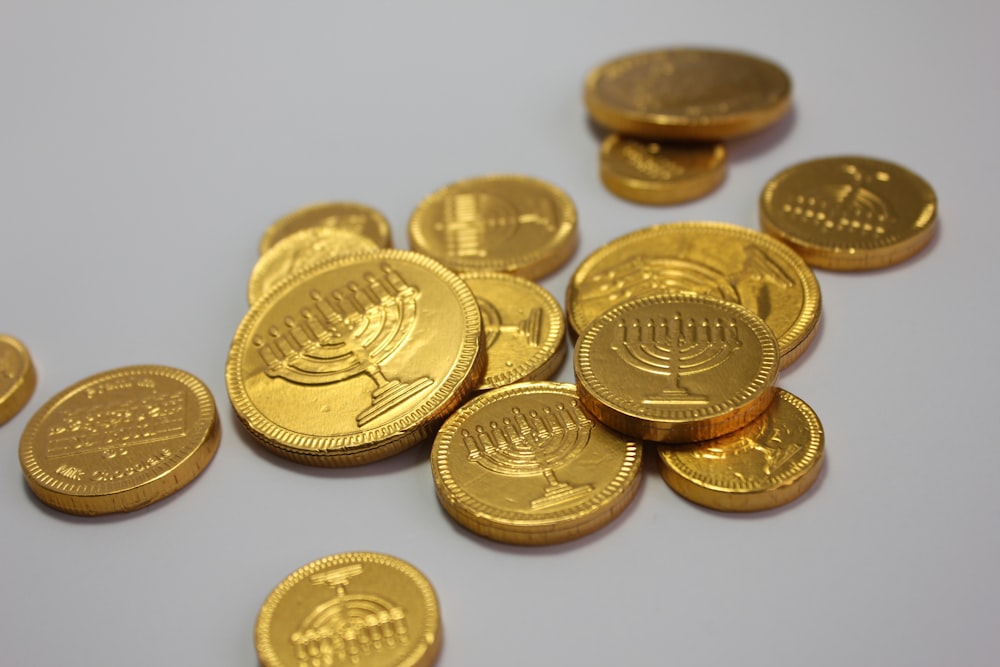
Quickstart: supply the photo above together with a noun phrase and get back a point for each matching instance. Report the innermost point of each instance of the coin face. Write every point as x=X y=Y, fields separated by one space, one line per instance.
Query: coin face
x=713 y=259
x=850 y=213
x=17 y=377
x=356 y=358
x=676 y=367
x=513 y=224
x=120 y=440
x=654 y=172
x=769 y=462
x=687 y=94
x=360 y=608
x=348 y=216
x=525 y=464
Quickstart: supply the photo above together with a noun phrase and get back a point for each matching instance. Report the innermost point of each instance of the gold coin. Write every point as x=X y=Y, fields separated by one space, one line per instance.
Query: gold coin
x=524 y=327
x=767 y=463
x=676 y=367
x=710 y=258
x=850 y=213
x=513 y=224
x=652 y=172
x=687 y=94
x=120 y=440
x=348 y=216
x=360 y=608
x=299 y=250
x=17 y=377
x=356 y=358
x=525 y=464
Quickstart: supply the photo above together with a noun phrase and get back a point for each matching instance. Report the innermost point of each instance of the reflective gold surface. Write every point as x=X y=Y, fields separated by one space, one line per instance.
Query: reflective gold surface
x=710 y=258
x=349 y=216
x=770 y=462
x=120 y=440
x=17 y=377
x=364 y=609
x=356 y=358
x=514 y=224
x=850 y=213
x=525 y=464
x=676 y=367
x=652 y=172
x=687 y=94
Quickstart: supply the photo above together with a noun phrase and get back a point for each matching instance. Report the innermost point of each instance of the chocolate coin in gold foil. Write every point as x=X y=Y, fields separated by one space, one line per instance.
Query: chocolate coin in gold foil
x=17 y=377
x=657 y=173
x=349 y=216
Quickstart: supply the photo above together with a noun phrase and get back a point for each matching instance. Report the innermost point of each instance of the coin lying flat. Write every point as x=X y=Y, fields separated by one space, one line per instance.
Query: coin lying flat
x=850 y=213
x=361 y=608
x=767 y=463
x=348 y=216
x=709 y=258
x=120 y=440
x=676 y=367
x=514 y=224
x=653 y=172
x=687 y=94
x=524 y=327
x=525 y=464
x=356 y=358
x=17 y=377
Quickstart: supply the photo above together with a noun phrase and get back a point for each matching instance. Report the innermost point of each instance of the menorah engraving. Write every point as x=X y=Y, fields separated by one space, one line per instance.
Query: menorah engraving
x=530 y=328
x=673 y=347
x=471 y=217
x=349 y=332
x=532 y=443
x=849 y=207
x=350 y=626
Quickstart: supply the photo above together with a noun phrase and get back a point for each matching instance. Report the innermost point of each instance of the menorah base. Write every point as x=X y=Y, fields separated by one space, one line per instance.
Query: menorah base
x=676 y=397
x=560 y=493
x=389 y=395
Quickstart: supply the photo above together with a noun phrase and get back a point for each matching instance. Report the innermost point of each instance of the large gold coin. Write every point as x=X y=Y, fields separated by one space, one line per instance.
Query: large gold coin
x=525 y=464
x=710 y=258
x=514 y=224
x=676 y=367
x=348 y=216
x=770 y=462
x=364 y=609
x=356 y=358
x=524 y=327
x=17 y=377
x=653 y=172
x=850 y=213
x=688 y=94
x=120 y=440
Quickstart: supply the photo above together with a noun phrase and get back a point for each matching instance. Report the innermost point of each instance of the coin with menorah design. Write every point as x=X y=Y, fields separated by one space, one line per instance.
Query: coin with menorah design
x=509 y=223
x=687 y=94
x=850 y=213
x=657 y=173
x=525 y=464
x=348 y=216
x=120 y=440
x=676 y=367
x=358 y=608
x=356 y=358
x=714 y=259
x=769 y=462
x=17 y=377
x=524 y=328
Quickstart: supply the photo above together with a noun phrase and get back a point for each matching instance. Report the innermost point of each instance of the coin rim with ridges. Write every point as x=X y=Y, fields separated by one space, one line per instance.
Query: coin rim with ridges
x=20 y=392
x=658 y=193
x=279 y=228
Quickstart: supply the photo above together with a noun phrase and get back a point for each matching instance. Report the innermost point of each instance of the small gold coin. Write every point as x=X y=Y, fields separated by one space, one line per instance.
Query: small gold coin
x=17 y=377
x=687 y=94
x=769 y=462
x=714 y=259
x=300 y=250
x=120 y=440
x=348 y=216
x=513 y=224
x=361 y=608
x=525 y=464
x=524 y=327
x=676 y=367
x=850 y=213
x=356 y=358
x=652 y=172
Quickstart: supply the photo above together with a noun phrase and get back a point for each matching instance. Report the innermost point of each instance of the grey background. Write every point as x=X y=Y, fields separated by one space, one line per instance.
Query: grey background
x=145 y=148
